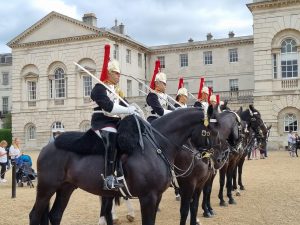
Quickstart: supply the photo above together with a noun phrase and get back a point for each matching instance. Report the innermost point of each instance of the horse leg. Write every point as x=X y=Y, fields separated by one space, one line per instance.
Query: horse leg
x=149 y=206
x=106 y=209
x=234 y=183
x=194 y=207
x=206 y=190
x=209 y=194
x=222 y=182
x=240 y=172
x=130 y=211
x=39 y=212
x=229 y=185
x=63 y=195
x=184 y=206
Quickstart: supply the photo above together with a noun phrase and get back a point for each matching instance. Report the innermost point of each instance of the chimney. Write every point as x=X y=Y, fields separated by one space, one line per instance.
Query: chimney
x=209 y=37
x=121 y=28
x=230 y=34
x=90 y=19
x=190 y=40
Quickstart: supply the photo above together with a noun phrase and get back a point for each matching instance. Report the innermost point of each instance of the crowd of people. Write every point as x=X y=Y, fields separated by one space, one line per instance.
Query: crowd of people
x=8 y=154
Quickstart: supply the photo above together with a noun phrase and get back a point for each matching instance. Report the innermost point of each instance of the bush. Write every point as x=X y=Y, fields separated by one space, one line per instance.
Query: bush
x=5 y=134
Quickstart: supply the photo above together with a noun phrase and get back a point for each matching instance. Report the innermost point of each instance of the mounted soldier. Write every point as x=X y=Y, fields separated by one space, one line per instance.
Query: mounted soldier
x=203 y=96
x=107 y=115
x=157 y=99
x=182 y=95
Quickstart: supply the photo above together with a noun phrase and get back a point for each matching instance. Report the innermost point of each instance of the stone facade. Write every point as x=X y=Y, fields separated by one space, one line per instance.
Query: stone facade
x=241 y=70
x=5 y=85
x=276 y=91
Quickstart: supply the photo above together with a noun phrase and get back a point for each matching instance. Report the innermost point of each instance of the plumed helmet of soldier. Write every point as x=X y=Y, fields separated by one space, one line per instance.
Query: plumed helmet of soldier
x=161 y=77
x=205 y=90
x=113 y=66
x=213 y=98
x=182 y=91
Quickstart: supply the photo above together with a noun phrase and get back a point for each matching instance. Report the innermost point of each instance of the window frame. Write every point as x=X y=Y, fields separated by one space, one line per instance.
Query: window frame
x=207 y=58
x=128 y=56
x=233 y=86
x=31 y=90
x=5 y=78
x=184 y=60
x=162 y=60
x=233 y=55
x=288 y=117
x=87 y=84
x=5 y=108
x=31 y=132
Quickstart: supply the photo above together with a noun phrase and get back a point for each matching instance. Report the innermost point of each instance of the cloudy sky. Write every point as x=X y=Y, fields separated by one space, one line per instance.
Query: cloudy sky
x=151 y=22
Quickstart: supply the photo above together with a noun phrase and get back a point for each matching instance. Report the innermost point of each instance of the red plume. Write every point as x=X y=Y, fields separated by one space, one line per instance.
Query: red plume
x=156 y=71
x=104 y=71
x=201 y=86
x=180 y=84
x=218 y=99
x=209 y=94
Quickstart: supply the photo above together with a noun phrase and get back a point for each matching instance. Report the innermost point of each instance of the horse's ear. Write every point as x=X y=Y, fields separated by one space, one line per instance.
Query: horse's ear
x=251 y=107
x=251 y=110
x=210 y=111
x=269 y=127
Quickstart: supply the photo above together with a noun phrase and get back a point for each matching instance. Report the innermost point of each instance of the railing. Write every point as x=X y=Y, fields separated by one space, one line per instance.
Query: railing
x=289 y=84
x=241 y=95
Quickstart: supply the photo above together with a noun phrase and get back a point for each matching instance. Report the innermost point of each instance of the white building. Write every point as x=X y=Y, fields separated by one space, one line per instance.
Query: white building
x=50 y=93
x=5 y=85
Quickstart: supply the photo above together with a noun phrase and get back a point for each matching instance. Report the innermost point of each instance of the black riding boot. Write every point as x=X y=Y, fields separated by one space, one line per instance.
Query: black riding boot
x=110 y=181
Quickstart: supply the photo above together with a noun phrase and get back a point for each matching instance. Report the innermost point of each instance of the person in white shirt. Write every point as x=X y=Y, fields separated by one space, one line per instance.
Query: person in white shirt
x=3 y=160
x=14 y=150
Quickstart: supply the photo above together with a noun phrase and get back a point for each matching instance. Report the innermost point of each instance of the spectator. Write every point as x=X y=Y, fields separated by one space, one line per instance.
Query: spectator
x=14 y=150
x=291 y=143
x=297 y=138
x=3 y=160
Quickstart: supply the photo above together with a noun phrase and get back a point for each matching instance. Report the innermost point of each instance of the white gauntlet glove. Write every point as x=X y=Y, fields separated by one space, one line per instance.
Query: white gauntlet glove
x=118 y=109
x=166 y=111
x=132 y=110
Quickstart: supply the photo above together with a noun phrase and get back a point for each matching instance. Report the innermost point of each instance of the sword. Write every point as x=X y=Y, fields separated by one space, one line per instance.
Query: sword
x=107 y=87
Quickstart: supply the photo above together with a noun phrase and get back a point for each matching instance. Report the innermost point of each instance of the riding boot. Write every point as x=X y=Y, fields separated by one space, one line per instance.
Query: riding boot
x=110 y=181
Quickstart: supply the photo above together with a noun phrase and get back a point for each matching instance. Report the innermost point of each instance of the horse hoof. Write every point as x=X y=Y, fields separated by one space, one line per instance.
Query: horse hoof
x=223 y=204
x=232 y=202
x=242 y=188
x=178 y=198
x=207 y=215
x=212 y=212
x=130 y=218
x=238 y=193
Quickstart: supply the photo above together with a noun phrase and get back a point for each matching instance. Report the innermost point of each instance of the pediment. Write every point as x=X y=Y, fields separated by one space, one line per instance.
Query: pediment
x=54 y=26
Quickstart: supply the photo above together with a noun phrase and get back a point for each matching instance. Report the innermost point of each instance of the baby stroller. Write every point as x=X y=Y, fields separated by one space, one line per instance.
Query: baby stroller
x=24 y=171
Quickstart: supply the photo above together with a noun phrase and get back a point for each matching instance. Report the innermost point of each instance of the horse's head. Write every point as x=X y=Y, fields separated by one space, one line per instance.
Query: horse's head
x=255 y=122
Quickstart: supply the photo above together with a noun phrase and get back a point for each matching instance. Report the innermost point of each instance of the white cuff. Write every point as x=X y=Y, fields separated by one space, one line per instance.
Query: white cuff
x=166 y=111
x=118 y=109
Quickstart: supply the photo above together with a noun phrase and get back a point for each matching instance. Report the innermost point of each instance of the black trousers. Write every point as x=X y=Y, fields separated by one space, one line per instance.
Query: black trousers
x=3 y=169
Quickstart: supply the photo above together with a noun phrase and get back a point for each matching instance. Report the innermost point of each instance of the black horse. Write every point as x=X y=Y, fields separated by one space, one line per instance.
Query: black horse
x=147 y=169
x=191 y=182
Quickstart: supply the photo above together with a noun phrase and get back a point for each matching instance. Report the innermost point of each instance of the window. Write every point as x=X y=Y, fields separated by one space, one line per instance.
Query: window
x=5 y=78
x=31 y=87
x=233 y=55
x=5 y=105
x=209 y=84
x=274 y=58
x=162 y=61
x=141 y=90
x=290 y=122
x=128 y=56
x=58 y=90
x=184 y=60
x=57 y=126
x=208 y=58
x=116 y=52
x=140 y=60
x=289 y=62
x=233 y=85
x=31 y=132
x=87 y=86
x=186 y=85
x=129 y=88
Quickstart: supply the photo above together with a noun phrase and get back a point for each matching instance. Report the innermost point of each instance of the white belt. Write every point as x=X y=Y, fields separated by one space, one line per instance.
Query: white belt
x=106 y=113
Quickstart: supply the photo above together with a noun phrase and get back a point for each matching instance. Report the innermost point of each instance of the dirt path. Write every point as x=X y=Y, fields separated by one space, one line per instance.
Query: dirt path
x=272 y=197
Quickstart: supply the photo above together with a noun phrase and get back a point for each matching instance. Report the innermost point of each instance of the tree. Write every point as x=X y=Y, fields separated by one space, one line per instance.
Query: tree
x=7 y=121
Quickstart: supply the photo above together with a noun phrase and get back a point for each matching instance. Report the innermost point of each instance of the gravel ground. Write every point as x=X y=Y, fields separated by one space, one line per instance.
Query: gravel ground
x=272 y=197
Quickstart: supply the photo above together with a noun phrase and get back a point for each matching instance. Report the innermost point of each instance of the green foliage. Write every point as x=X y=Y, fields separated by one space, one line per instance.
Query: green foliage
x=7 y=121
x=5 y=134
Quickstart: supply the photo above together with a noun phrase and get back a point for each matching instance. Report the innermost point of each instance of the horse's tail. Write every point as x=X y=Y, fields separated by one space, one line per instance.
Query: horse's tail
x=117 y=200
